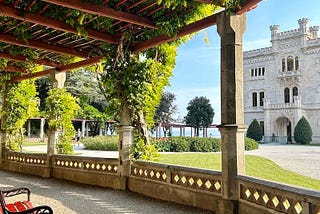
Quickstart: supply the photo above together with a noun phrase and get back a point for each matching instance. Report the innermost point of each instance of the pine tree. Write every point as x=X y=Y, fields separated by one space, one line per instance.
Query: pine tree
x=303 y=132
x=254 y=131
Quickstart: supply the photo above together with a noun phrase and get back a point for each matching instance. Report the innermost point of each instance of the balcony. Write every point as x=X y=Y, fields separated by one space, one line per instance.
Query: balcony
x=289 y=75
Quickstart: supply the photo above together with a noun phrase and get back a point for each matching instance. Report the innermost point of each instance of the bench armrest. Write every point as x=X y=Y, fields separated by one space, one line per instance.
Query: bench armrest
x=35 y=210
x=14 y=192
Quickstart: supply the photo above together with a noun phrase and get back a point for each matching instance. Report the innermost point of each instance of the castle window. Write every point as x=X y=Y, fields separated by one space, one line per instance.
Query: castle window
x=286 y=95
x=255 y=72
x=296 y=63
x=254 y=99
x=259 y=71
x=263 y=70
x=261 y=98
x=262 y=127
x=290 y=63
x=283 y=65
x=252 y=72
x=294 y=92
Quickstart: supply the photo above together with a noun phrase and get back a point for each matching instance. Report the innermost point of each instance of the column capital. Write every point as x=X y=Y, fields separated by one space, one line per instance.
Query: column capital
x=232 y=127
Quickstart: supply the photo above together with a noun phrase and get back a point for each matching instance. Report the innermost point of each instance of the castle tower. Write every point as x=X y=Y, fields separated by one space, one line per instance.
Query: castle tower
x=314 y=31
x=303 y=23
x=274 y=35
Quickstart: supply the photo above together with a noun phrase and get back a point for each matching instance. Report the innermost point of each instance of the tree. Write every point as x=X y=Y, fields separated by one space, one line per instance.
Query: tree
x=303 y=132
x=200 y=113
x=61 y=108
x=22 y=104
x=254 y=131
x=166 y=110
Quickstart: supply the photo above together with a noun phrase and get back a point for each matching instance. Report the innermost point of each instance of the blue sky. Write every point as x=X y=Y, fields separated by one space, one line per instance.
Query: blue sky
x=197 y=71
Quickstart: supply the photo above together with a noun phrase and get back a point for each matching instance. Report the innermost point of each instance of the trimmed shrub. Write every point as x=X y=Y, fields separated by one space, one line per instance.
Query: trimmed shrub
x=102 y=143
x=250 y=144
x=216 y=144
x=254 y=131
x=179 y=144
x=163 y=145
x=303 y=132
x=200 y=145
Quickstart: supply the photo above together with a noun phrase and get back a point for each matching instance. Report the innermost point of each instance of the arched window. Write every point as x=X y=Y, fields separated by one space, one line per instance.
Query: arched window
x=263 y=71
x=254 y=99
x=294 y=93
x=283 y=65
x=261 y=98
x=296 y=63
x=290 y=63
x=286 y=95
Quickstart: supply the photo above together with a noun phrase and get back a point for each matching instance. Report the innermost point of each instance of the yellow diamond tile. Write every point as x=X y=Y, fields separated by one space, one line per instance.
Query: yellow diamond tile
x=115 y=168
x=151 y=173
x=256 y=195
x=191 y=181
x=62 y=163
x=145 y=172
x=164 y=176
x=98 y=166
x=38 y=161
x=80 y=165
x=183 y=179
x=71 y=163
x=275 y=201
x=67 y=163
x=208 y=184
x=247 y=193
x=93 y=166
x=140 y=172
x=265 y=198
x=298 y=208
x=135 y=171
x=75 y=164
x=109 y=167
x=286 y=204
x=217 y=185
x=103 y=167
x=87 y=165
x=199 y=182
x=158 y=174
x=176 y=178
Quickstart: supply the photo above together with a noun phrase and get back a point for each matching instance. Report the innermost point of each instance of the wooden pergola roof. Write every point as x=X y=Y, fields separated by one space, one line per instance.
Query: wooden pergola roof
x=58 y=30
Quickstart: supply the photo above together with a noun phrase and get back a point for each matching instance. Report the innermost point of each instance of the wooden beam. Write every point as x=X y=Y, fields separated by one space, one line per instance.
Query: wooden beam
x=14 y=69
x=62 y=68
x=88 y=7
x=55 y=24
x=191 y=28
x=21 y=58
x=186 y=30
x=42 y=46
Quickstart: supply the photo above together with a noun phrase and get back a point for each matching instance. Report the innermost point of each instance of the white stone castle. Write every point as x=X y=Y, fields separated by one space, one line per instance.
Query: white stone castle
x=282 y=82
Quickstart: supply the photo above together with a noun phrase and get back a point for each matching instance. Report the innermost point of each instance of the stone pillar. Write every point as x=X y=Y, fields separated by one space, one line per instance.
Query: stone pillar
x=57 y=80
x=231 y=28
x=83 y=128
x=160 y=129
x=42 y=122
x=180 y=131
x=87 y=129
x=3 y=133
x=29 y=128
x=126 y=140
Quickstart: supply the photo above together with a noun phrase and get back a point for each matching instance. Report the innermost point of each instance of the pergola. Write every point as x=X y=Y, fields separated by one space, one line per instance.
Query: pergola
x=58 y=30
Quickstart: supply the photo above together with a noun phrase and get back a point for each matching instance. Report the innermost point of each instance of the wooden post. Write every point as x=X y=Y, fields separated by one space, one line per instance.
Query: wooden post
x=231 y=28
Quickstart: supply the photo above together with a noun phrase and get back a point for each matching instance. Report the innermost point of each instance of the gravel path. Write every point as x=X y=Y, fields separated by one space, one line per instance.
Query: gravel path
x=66 y=197
x=304 y=160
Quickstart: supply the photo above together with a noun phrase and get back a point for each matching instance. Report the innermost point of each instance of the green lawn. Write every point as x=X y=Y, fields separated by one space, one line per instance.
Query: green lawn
x=255 y=166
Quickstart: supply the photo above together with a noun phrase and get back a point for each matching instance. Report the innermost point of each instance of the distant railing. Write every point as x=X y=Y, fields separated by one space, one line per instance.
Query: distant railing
x=27 y=158
x=278 y=197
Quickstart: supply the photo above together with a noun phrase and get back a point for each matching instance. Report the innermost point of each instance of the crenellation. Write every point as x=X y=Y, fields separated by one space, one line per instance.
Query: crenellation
x=257 y=52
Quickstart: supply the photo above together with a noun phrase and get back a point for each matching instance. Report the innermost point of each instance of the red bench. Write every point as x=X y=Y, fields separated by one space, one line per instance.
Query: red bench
x=20 y=207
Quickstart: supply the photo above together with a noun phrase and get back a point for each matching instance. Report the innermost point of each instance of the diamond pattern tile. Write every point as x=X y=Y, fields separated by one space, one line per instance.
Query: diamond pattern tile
x=208 y=184
x=247 y=193
x=140 y=172
x=158 y=175
x=176 y=178
x=265 y=198
x=217 y=185
x=298 y=208
x=199 y=182
x=164 y=176
x=183 y=179
x=286 y=204
x=256 y=195
x=151 y=174
x=275 y=201
x=191 y=181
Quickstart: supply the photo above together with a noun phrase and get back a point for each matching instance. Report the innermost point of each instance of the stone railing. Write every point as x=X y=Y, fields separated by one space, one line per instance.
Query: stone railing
x=27 y=158
x=190 y=186
x=87 y=164
x=260 y=196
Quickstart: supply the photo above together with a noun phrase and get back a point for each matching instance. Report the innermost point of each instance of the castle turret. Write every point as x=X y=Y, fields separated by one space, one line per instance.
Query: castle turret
x=303 y=23
x=314 y=31
x=274 y=36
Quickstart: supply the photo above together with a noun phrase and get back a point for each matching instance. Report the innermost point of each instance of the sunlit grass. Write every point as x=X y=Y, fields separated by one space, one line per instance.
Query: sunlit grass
x=255 y=166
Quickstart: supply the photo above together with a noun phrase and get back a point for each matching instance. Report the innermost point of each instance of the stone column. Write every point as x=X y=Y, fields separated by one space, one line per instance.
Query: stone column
x=231 y=28
x=29 y=128
x=42 y=122
x=57 y=80
x=83 y=127
x=3 y=133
